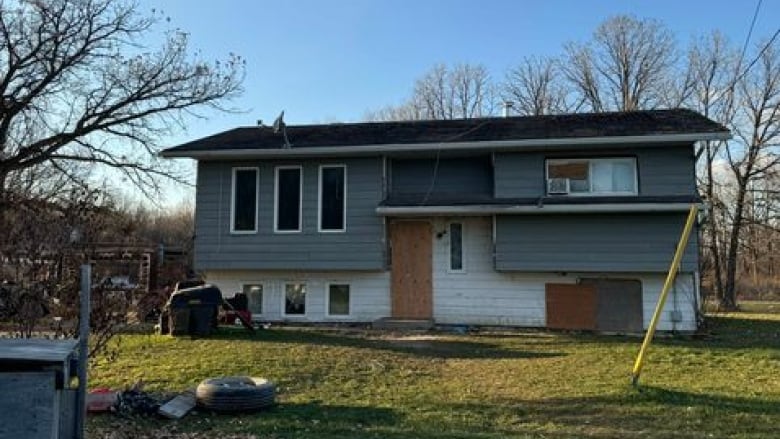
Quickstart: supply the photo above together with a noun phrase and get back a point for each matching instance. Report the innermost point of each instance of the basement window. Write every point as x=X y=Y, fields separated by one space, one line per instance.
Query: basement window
x=254 y=295
x=243 y=200
x=333 y=203
x=338 y=300
x=295 y=299
x=597 y=176
x=289 y=196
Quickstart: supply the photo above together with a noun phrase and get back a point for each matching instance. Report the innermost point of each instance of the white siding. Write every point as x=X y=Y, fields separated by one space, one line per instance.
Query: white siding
x=483 y=296
x=369 y=292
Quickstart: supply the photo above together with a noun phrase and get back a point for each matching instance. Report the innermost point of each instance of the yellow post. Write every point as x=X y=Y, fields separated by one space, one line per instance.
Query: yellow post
x=664 y=292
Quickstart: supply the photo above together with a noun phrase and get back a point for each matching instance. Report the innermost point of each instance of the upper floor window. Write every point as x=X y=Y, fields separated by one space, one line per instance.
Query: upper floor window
x=597 y=176
x=333 y=203
x=289 y=194
x=243 y=200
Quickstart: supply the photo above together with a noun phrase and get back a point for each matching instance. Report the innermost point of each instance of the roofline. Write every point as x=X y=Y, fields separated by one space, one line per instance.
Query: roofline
x=452 y=146
x=482 y=209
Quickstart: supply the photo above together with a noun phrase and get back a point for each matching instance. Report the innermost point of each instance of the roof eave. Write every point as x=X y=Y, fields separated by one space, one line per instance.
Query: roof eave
x=495 y=145
x=486 y=210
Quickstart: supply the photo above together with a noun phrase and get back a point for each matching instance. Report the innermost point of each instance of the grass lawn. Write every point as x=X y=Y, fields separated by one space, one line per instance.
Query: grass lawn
x=355 y=384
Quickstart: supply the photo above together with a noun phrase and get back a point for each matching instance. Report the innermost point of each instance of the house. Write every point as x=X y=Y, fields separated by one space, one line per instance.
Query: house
x=565 y=221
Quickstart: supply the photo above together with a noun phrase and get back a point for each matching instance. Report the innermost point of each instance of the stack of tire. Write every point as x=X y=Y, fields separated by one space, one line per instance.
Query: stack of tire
x=236 y=394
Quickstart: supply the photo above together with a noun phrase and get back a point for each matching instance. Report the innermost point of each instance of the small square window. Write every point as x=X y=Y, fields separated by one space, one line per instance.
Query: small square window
x=254 y=295
x=338 y=300
x=295 y=299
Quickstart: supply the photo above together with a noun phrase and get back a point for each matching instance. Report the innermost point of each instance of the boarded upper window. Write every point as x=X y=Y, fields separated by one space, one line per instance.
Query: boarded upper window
x=601 y=176
x=244 y=200
x=288 y=199
x=333 y=190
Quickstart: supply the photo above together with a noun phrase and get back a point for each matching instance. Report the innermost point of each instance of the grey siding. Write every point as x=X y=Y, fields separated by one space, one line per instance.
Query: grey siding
x=453 y=176
x=662 y=170
x=361 y=247
x=592 y=243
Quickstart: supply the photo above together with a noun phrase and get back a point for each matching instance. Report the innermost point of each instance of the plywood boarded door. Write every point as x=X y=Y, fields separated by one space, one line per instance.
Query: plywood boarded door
x=412 y=265
x=571 y=306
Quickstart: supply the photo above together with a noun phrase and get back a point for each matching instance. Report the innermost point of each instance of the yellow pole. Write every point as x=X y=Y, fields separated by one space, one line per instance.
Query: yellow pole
x=664 y=292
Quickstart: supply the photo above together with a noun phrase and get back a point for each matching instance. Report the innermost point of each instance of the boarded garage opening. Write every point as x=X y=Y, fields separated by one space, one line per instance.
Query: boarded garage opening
x=571 y=306
x=619 y=304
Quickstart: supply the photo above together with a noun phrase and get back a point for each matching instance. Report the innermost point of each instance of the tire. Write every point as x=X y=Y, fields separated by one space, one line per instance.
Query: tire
x=235 y=394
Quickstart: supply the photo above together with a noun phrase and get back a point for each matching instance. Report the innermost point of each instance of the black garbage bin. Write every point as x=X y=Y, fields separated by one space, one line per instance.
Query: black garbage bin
x=193 y=311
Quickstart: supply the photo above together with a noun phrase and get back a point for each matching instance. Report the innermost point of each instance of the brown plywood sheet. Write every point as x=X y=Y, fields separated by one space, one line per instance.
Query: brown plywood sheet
x=571 y=306
x=412 y=267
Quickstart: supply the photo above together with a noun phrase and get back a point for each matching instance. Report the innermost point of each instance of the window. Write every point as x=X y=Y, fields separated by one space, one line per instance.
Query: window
x=608 y=176
x=295 y=299
x=456 y=247
x=288 y=199
x=338 y=300
x=254 y=296
x=333 y=203
x=243 y=202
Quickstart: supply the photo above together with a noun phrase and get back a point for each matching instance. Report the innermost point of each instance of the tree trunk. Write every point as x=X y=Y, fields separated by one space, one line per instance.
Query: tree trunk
x=713 y=229
x=728 y=301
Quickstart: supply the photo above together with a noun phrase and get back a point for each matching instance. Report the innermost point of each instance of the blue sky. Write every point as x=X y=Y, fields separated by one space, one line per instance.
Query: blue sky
x=326 y=61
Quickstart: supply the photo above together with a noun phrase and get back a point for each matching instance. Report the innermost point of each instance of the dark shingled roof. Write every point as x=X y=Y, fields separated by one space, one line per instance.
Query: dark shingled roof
x=637 y=123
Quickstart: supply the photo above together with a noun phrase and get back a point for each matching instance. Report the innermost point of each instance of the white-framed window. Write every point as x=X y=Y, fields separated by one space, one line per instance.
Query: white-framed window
x=254 y=296
x=288 y=199
x=332 y=203
x=244 y=190
x=339 y=300
x=457 y=262
x=592 y=176
x=294 y=299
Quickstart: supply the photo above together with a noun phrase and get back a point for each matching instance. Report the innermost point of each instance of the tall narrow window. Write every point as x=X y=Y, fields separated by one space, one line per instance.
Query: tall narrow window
x=243 y=212
x=288 y=199
x=338 y=299
x=456 y=247
x=295 y=299
x=333 y=191
x=254 y=296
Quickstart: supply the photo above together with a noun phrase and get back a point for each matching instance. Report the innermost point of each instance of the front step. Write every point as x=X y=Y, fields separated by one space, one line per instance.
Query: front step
x=403 y=324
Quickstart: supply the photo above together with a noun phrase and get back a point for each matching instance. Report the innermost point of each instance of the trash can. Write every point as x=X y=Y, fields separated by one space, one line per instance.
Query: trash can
x=193 y=311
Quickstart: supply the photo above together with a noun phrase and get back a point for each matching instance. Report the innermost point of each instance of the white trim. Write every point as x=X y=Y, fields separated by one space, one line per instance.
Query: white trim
x=410 y=147
x=305 y=299
x=233 y=231
x=263 y=311
x=590 y=161
x=300 y=198
x=486 y=210
x=462 y=269
x=330 y=315
x=319 y=199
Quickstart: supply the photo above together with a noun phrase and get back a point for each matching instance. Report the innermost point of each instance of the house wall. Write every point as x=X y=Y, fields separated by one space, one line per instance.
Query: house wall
x=663 y=170
x=592 y=242
x=484 y=296
x=453 y=176
x=361 y=247
x=479 y=296
x=369 y=292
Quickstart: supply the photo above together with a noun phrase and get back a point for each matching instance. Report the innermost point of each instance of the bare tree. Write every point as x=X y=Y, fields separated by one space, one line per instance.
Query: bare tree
x=710 y=71
x=624 y=67
x=77 y=87
x=535 y=87
x=463 y=91
x=754 y=154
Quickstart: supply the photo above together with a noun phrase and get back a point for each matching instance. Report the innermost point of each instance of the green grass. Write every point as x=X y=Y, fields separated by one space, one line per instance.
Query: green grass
x=340 y=384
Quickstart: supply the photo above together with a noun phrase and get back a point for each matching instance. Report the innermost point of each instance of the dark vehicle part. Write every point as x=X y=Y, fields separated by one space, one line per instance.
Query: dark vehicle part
x=235 y=394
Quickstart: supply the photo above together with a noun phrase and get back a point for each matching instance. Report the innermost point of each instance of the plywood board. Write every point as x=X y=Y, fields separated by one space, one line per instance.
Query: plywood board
x=178 y=406
x=412 y=266
x=619 y=304
x=571 y=306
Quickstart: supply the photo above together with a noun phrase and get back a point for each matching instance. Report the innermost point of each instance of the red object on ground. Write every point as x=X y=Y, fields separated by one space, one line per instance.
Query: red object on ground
x=101 y=400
